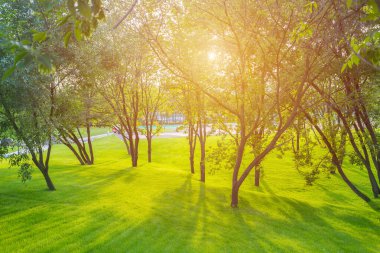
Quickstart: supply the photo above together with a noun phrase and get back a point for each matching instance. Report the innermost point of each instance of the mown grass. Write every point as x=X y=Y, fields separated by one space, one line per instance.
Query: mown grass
x=96 y=130
x=161 y=207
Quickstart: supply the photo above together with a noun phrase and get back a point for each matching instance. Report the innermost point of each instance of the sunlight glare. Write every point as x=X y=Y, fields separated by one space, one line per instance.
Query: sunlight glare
x=211 y=55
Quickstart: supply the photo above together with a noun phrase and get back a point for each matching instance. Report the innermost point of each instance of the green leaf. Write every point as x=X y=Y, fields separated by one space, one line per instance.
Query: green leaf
x=349 y=63
x=63 y=20
x=28 y=59
x=84 y=8
x=39 y=36
x=8 y=73
x=45 y=64
x=355 y=59
x=67 y=37
x=77 y=30
x=78 y=33
x=374 y=6
x=354 y=45
x=343 y=68
x=21 y=55
x=26 y=42
x=44 y=60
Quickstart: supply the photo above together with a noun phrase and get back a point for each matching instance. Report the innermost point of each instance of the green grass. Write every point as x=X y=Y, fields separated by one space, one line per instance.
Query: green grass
x=160 y=207
x=97 y=130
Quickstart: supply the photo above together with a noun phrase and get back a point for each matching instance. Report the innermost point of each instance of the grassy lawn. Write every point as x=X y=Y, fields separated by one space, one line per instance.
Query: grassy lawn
x=161 y=207
x=97 y=130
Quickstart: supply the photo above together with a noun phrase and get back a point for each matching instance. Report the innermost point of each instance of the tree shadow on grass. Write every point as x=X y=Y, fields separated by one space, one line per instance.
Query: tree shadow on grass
x=192 y=218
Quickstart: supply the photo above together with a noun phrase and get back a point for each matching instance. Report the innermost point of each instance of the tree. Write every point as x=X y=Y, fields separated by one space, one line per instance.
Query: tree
x=74 y=110
x=27 y=100
x=152 y=98
x=120 y=87
x=27 y=108
x=259 y=79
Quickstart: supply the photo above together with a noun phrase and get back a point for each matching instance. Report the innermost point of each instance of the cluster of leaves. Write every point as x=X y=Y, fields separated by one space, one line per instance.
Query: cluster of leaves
x=311 y=170
x=25 y=169
x=25 y=172
x=367 y=48
x=20 y=41
x=82 y=19
x=222 y=156
x=306 y=163
x=25 y=52
x=80 y=22
x=355 y=160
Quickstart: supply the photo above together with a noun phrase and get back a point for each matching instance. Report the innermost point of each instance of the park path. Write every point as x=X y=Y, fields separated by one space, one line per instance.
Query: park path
x=23 y=150
x=161 y=135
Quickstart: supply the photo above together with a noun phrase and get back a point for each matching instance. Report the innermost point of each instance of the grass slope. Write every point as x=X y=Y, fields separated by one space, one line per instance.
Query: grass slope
x=160 y=207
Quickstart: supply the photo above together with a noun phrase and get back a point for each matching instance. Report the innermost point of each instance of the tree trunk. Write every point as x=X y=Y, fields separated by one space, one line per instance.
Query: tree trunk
x=134 y=161
x=203 y=161
x=125 y=140
x=191 y=158
x=335 y=159
x=49 y=183
x=257 y=177
x=192 y=144
x=239 y=158
x=89 y=142
x=347 y=126
x=134 y=156
x=235 y=196
x=149 y=149
x=371 y=176
x=75 y=153
x=135 y=153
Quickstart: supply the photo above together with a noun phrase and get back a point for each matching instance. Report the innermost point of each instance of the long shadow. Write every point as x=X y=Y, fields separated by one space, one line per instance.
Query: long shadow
x=192 y=226
x=168 y=224
x=192 y=218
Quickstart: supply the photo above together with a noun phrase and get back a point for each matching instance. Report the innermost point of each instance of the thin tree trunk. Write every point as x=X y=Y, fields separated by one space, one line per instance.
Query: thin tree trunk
x=202 y=143
x=48 y=181
x=192 y=145
x=89 y=142
x=235 y=196
x=235 y=186
x=191 y=158
x=149 y=149
x=82 y=147
x=336 y=161
x=257 y=177
x=75 y=153
x=203 y=161
x=133 y=149
x=375 y=187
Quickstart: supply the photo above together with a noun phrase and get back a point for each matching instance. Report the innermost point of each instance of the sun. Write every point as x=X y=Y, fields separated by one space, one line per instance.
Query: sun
x=211 y=55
